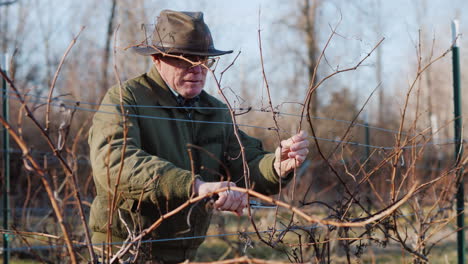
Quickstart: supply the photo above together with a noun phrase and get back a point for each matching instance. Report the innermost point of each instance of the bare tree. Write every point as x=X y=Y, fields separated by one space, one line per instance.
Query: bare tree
x=107 y=48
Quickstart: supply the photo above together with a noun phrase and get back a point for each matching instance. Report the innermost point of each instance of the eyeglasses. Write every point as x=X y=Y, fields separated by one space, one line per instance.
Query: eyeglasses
x=190 y=61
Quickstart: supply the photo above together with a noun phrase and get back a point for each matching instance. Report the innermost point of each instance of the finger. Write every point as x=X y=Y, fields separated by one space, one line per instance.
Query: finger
x=286 y=144
x=290 y=164
x=223 y=196
x=300 y=152
x=245 y=200
x=231 y=201
x=230 y=195
x=222 y=200
x=299 y=159
x=235 y=204
x=243 y=205
x=240 y=211
x=304 y=144
x=298 y=138
x=302 y=134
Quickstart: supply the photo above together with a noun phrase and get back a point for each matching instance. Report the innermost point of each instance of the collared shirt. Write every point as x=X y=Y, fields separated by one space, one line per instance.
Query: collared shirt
x=174 y=92
x=182 y=101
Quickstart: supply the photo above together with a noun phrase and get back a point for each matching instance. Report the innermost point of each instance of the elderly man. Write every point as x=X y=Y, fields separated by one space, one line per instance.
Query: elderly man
x=151 y=158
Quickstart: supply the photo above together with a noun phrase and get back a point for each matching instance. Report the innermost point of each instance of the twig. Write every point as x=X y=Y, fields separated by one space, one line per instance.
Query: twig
x=54 y=80
x=64 y=164
x=124 y=147
x=244 y=259
x=270 y=104
x=37 y=168
x=28 y=245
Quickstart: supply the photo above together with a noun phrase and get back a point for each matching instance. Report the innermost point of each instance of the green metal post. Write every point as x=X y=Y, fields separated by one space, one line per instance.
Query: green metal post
x=458 y=145
x=6 y=163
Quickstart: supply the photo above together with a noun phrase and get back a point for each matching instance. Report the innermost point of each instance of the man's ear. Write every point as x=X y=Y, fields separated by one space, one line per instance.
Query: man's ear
x=156 y=60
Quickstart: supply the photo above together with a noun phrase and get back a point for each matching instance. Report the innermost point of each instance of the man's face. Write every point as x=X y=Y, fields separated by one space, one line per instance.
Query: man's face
x=184 y=77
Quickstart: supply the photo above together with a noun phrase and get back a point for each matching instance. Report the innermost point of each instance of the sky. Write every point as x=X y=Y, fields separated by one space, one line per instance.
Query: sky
x=235 y=25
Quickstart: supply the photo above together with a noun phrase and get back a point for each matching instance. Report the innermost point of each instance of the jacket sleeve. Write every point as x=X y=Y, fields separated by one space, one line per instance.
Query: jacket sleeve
x=263 y=176
x=142 y=175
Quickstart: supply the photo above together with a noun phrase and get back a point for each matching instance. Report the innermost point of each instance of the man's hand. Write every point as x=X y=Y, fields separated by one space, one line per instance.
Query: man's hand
x=228 y=200
x=291 y=154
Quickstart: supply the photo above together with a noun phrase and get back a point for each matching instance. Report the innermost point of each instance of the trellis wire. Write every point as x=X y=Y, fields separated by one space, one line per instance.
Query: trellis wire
x=75 y=102
x=314 y=226
x=441 y=142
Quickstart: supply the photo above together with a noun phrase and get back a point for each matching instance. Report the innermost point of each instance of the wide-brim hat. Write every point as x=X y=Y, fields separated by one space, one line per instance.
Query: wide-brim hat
x=180 y=33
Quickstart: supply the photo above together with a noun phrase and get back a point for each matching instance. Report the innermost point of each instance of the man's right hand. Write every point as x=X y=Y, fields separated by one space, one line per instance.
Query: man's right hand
x=229 y=200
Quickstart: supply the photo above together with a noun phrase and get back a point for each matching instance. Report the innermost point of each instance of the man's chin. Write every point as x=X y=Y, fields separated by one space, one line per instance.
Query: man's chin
x=192 y=93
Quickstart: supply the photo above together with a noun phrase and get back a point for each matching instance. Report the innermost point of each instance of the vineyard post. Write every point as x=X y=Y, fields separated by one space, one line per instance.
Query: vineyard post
x=458 y=143
x=6 y=161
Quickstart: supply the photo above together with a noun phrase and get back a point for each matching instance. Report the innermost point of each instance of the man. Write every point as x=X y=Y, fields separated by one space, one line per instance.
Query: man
x=177 y=142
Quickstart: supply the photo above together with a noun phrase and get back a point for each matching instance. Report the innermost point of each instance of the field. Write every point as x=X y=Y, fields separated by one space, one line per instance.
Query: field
x=374 y=88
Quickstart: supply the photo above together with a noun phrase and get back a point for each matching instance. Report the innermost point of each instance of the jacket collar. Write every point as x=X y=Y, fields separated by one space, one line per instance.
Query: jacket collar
x=165 y=97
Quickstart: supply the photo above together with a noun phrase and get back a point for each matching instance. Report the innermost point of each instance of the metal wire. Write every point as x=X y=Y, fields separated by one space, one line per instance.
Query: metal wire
x=441 y=142
x=76 y=107
x=314 y=226
x=75 y=102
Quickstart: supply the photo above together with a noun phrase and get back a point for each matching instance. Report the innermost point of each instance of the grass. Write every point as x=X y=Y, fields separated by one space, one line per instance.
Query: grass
x=20 y=261
x=235 y=245
x=226 y=247
x=216 y=249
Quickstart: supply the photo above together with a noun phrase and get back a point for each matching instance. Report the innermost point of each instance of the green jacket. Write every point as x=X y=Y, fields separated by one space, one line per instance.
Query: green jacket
x=157 y=166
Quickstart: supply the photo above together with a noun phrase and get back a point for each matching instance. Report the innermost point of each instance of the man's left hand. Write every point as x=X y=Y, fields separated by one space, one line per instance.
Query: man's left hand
x=291 y=154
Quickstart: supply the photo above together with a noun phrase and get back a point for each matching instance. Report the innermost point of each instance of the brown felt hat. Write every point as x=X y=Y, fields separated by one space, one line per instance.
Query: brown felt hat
x=180 y=33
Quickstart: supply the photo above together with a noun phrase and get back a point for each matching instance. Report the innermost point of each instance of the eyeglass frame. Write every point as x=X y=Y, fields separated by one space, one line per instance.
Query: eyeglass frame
x=189 y=61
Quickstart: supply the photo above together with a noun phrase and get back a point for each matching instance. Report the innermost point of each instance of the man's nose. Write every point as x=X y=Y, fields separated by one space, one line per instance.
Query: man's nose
x=196 y=69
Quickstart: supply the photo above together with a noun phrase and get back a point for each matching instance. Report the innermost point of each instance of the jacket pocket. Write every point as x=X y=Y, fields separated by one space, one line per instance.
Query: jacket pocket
x=99 y=217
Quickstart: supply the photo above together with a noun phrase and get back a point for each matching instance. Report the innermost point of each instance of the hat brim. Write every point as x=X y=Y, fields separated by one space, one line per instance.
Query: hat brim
x=149 y=50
